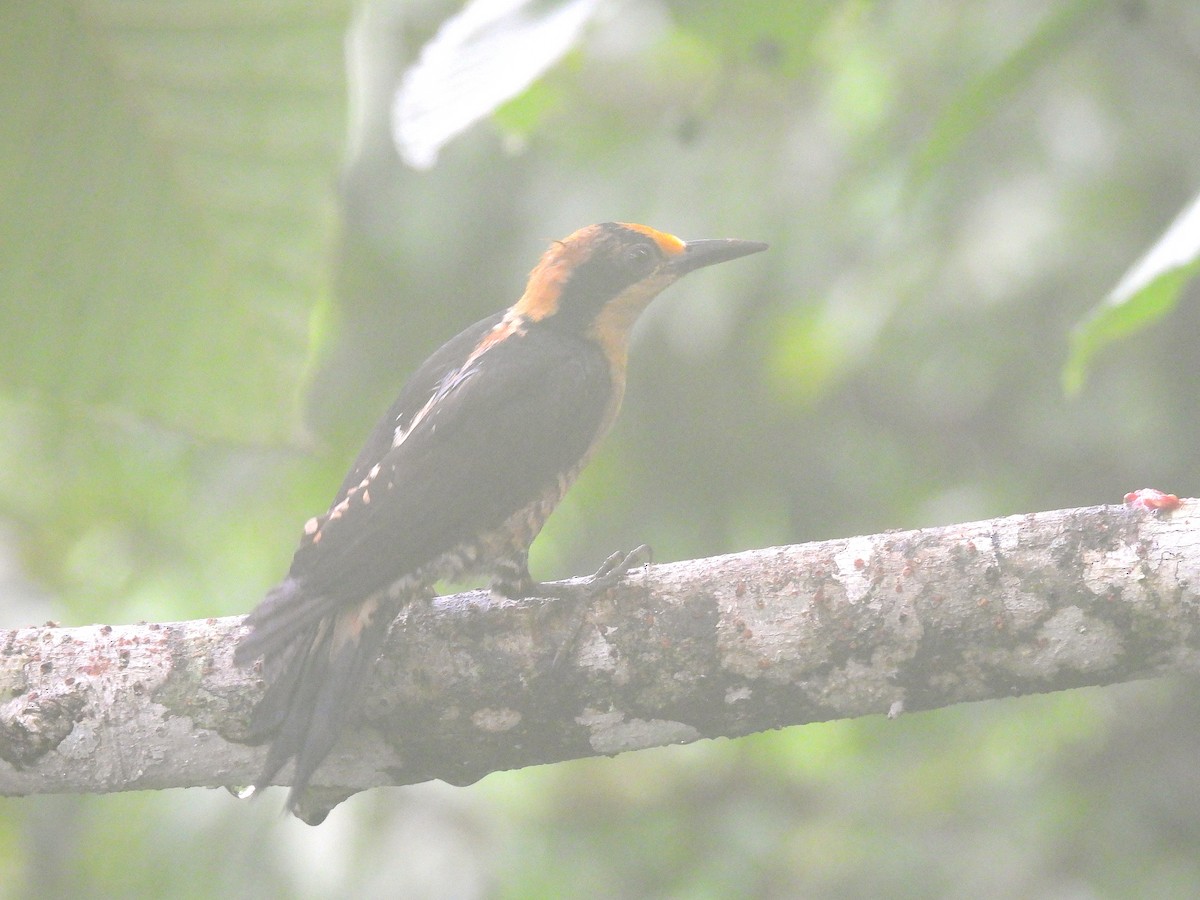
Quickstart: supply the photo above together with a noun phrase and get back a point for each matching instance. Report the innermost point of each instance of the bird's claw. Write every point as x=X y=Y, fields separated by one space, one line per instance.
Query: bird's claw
x=610 y=573
x=585 y=592
x=617 y=566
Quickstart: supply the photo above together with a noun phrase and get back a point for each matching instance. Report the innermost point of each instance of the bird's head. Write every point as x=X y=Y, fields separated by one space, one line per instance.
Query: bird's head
x=598 y=280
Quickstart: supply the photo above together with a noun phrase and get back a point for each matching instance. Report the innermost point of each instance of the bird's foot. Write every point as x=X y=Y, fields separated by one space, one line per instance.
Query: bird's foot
x=586 y=591
x=610 y=573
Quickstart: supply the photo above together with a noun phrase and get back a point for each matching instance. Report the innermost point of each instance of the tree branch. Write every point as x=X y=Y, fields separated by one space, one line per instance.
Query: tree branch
x=705 y=648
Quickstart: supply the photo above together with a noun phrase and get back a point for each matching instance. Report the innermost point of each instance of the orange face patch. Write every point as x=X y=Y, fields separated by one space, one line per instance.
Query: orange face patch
x=542 y=294
x=551 y=273
x=667 y=243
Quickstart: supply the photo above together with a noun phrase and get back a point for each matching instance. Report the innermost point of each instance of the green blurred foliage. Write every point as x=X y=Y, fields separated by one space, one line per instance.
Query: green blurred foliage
x=1147 y=292
x=212 y=287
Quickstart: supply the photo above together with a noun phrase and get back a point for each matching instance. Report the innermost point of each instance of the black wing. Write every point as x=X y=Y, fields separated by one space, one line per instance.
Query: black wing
x=413 y=396
x=494 y=437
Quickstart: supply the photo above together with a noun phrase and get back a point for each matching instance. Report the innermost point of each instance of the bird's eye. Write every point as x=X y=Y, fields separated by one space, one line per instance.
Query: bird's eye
x=639 y=258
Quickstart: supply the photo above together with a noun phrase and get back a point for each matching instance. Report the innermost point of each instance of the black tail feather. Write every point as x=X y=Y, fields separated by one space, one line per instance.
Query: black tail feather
x=345 y=672
x=314 y=674
x=285 y=674
x=284 y=613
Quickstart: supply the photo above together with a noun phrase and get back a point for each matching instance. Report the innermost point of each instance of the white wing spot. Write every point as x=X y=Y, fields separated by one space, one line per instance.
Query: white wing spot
x=338 y=511
x=510 y=324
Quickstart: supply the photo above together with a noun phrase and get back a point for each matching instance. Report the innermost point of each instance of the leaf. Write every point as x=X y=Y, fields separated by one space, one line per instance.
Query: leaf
x=1145 y=293
x=980 y=98
x=485 y=55
x=164 y=206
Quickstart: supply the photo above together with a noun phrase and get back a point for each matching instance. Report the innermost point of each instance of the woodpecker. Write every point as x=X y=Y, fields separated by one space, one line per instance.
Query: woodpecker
x=458 y=477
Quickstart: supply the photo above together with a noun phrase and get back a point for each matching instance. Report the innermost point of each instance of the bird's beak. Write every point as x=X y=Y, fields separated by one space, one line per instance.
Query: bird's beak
x=698 y=254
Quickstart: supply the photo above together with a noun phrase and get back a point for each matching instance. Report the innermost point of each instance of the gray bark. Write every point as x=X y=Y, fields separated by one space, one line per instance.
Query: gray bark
x=711 y=647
